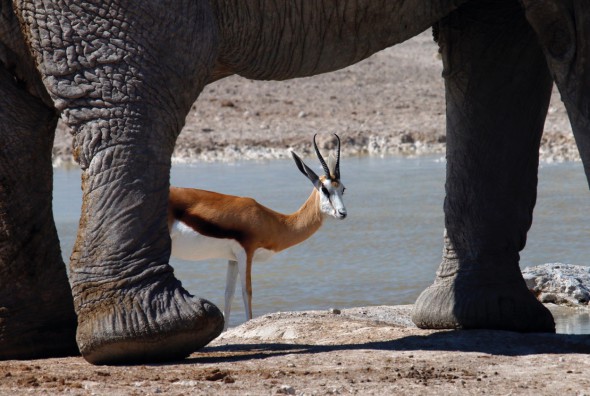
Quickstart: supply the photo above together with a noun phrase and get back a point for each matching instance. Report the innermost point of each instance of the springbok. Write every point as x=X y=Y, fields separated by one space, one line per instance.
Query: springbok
x=206 y=225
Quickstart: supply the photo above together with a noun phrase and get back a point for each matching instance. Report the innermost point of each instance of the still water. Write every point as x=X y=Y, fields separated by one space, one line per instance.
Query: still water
x=385 y=252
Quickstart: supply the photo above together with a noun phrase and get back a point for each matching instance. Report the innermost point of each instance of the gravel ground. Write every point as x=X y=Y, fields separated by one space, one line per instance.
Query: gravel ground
x=365 y=351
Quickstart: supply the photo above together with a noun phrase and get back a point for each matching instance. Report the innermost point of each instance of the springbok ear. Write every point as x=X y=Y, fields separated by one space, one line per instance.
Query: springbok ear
x=315 y=180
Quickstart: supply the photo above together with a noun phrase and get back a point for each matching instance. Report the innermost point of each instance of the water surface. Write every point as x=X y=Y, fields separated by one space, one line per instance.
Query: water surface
x=385 y=252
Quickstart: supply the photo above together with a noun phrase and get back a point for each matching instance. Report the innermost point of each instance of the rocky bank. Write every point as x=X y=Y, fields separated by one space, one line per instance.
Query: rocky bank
x=561 y=284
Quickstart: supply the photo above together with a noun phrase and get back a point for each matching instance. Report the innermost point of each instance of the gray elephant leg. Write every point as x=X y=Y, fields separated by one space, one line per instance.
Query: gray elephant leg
x=497 y=90
x=124 y=75
x=37 y=316
x=563 y=28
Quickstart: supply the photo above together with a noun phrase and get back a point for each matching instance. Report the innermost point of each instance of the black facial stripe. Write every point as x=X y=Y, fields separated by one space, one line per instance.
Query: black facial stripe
x=327 y=194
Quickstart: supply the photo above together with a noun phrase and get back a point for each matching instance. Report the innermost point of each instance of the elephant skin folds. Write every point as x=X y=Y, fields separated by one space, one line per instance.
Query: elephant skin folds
x=104 y=339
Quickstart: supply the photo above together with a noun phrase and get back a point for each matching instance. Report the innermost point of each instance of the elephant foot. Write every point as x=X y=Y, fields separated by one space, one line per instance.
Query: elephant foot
x=154 y=326
x=37 y=318
x=457 y=303
x=49 y=337
x=33 y=330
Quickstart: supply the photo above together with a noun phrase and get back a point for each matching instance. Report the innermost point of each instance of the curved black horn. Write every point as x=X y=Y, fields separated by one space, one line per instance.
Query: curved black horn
x=317 y=151
x=337 y=167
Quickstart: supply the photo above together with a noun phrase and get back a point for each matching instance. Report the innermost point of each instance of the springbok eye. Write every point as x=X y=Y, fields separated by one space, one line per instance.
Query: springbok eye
x=343 y=189
x=325 y=191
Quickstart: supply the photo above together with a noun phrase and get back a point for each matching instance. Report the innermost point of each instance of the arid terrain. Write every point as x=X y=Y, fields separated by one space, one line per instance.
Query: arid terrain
x=365 y=351
x=392 y=103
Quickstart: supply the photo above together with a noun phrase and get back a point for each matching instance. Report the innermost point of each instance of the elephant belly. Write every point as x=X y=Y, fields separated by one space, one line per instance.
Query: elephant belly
x=187 y=244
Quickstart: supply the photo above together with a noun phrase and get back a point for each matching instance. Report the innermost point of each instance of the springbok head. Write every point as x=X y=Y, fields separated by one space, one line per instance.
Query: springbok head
x=329 y=186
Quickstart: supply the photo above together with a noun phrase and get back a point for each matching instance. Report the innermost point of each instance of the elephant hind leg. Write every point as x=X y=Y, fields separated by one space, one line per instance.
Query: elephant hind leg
x=498 y=88
x=37 y=316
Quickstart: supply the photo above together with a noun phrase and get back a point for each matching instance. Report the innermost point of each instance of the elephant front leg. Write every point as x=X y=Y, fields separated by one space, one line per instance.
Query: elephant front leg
x=497 y=90
x=37 y=317
x=129 y=304
x=124 y=75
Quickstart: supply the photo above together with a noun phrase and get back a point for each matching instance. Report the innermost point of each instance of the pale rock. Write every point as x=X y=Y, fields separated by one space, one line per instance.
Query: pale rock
x=557 y=283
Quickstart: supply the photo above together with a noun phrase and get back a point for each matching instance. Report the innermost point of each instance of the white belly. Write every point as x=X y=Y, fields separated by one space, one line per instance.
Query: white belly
x=187 y=244
x=261 y=255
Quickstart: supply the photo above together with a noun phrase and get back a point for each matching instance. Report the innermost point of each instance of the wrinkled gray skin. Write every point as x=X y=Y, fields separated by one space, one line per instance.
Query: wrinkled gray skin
x=123 y=75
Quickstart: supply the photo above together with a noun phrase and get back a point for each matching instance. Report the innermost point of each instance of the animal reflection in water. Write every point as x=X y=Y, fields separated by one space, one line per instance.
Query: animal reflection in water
x=207 y=225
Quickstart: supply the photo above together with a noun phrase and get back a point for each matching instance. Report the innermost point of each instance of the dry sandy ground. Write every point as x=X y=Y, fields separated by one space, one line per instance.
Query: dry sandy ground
x=391 y=103
x=363 y=351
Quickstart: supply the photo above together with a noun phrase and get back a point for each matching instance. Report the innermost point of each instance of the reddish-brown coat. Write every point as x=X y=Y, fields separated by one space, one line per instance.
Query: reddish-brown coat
x=251 y=224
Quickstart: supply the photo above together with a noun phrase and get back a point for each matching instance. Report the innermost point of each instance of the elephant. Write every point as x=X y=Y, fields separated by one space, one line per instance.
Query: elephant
x=123 y=75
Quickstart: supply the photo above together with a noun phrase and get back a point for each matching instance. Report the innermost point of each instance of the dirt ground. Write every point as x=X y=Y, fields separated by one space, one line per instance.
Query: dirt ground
x=392 y=103
x=371 y=350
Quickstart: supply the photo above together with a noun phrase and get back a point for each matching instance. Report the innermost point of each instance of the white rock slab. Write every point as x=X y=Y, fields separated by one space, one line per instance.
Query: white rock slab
x=557 y=283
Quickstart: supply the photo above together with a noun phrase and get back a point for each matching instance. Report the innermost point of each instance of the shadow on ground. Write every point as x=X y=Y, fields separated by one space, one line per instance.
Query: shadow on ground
x=492 y=342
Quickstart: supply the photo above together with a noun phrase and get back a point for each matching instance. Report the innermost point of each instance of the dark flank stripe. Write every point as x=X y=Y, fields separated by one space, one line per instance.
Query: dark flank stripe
x=205 y=227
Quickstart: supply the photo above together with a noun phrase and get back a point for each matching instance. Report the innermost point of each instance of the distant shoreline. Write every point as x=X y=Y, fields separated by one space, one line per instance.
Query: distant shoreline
x=554 y=149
